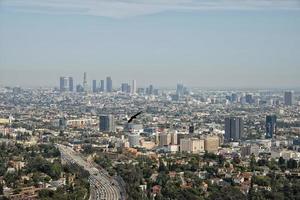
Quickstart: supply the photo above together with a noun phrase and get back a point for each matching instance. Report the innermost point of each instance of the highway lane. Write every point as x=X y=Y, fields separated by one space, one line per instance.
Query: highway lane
x=101 y=185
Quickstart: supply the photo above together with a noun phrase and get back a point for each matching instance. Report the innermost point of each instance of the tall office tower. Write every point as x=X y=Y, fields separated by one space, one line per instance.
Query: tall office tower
x=151 y=90
x=211 y=143
x=234 y=98
x=107 y=123
x=288 y=98
x=94 y=86
x=174 y=138
x=124 y=87
x=249 y=99
x=71 y=84
x=85 y=85
x=233 y=128
x=128 y=88
x=180 y=89
x=134 y=140
x=63 y=84
x=102 y=86
x=271 y=126
x=108 y=84
x=133 y=87
x=164 y=139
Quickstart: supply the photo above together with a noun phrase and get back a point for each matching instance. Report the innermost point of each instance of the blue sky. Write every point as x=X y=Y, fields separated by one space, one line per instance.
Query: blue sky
x=215 y=43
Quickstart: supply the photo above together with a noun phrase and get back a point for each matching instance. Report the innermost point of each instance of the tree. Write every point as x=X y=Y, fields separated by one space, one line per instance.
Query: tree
x=292 y=164
x=252 y=162
x=162 y=167
x=281 y=161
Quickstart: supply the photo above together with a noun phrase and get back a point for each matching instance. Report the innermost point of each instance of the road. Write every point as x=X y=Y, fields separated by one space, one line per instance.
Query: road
x=102 y=186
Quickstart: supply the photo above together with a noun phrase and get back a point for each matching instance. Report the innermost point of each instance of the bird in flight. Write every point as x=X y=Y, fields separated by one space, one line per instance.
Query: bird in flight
x=134 y=116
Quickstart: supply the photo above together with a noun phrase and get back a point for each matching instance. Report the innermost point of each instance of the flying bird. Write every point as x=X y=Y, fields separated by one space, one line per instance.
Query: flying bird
x=134 y=116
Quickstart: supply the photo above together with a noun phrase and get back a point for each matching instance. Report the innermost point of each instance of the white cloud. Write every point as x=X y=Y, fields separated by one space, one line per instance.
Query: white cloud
x=129 y=8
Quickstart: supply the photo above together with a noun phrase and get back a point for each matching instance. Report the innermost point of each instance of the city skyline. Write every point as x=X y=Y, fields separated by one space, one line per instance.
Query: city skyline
x=202 y=44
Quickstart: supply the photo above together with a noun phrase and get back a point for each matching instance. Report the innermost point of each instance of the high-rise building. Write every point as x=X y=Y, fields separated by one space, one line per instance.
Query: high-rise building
x=192 y=145
x=71 y=84
x=108 y=84
x=288 y=98
x=234 y=98
x=63 y=84
x=85 y=85
x=150 y=90
x=128 y=89
x=271 y=126
x=124 y=87
x=174 y=138
x=233 y=128
x=164 y=139
x=134 y=140
x=107 y=123
x=211 y=143
x=102 y=86
x=249 y=98
x=133 y=87
x=180 y=89
x=94 y=86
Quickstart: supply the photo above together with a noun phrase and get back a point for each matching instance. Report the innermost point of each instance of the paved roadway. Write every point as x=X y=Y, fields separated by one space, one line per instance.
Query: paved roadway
x=102 y=186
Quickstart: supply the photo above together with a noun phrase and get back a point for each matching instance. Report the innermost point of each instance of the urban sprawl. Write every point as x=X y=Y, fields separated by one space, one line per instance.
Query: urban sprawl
x=75 y=142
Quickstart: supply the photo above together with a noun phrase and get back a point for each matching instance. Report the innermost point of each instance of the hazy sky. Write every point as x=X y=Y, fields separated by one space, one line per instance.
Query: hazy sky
x=205 y=43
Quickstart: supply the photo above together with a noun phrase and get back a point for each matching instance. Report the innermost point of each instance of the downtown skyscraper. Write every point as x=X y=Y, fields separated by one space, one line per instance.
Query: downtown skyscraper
x=108 y=84
x=85 y=84
x=234 y=128
x=271 y=126
x=66 y=84
x=106 y=123
x=133 y=87
x=288 y=98
x=94 y=86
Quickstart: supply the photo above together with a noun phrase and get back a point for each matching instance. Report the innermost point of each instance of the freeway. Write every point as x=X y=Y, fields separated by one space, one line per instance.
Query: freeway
x=102 y=186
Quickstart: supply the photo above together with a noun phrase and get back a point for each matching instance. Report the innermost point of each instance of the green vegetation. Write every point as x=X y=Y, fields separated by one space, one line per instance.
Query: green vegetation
x=41 y=165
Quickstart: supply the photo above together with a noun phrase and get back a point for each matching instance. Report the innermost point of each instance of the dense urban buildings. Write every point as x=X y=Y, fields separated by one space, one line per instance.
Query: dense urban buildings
x=149 y=100
x=200 y=142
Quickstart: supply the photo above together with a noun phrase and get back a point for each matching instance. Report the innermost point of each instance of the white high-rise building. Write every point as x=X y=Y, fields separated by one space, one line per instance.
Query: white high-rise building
x=133 y=88
x=134 y=140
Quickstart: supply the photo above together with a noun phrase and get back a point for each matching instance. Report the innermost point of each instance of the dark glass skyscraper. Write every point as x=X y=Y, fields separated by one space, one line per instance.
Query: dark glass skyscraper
x=85 y=85
x=249 y=98
x=288 y=98
x=234 y=98
x=94 y=86
x=271 y=126
x=106 y=123
x=71 y=84
x=180 y=89
x=63 y=84
x=108 y=84
x=233 y=128
x=124 y=87
x=102 y=86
